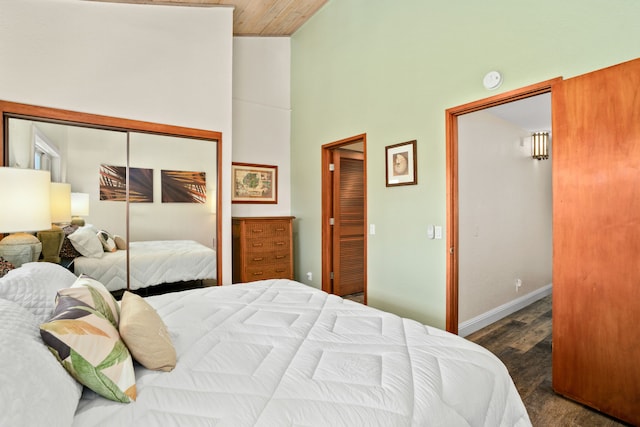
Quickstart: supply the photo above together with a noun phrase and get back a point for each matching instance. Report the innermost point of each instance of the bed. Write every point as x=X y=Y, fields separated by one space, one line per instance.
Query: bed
x=151 y=263
x=103 y=256
x=267 y=353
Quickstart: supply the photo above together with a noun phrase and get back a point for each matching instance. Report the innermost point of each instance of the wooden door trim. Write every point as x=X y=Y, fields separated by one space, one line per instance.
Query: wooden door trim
x=327 y=150
x=451 y=128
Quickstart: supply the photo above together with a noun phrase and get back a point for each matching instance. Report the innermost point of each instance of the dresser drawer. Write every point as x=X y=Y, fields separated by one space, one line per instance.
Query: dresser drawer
x=263 y=244
x=267 y=258
x=267 y=272
x=267 y=229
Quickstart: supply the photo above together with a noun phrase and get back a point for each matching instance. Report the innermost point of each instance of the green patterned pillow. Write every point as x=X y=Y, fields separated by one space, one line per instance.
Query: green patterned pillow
x=97 y=297
x=89 y=346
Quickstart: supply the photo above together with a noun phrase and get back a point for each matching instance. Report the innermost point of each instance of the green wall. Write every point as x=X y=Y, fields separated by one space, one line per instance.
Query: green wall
x=390 y=69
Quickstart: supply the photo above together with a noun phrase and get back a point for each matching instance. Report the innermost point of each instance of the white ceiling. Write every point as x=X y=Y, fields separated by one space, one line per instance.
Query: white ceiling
x=532 y=114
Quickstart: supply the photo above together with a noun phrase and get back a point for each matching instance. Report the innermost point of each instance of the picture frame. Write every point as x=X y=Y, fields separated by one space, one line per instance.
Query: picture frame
x=401 y=164
x=254 y=183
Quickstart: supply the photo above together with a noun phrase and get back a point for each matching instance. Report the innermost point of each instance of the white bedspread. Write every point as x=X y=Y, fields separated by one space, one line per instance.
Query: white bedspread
x=151 y=263
x=279 y=353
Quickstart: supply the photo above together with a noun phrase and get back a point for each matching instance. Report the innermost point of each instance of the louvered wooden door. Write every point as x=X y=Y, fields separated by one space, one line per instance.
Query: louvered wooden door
x=349 y=225
x=596 y=240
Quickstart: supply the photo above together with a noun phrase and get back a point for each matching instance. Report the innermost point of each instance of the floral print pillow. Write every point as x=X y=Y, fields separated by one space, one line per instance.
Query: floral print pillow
x=83 y=336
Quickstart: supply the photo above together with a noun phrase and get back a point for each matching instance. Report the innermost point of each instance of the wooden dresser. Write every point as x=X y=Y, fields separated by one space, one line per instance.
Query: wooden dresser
x=262 y=248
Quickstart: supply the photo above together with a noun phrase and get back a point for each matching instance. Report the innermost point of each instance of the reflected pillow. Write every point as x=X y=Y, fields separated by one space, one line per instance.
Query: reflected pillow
x=89 y=347
x=108 y=244
x=86 y=241
x=145 y=334
x=121 y=244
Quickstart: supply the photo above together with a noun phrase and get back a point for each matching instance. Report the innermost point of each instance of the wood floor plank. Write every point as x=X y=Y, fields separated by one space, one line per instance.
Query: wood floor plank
x=523 y=342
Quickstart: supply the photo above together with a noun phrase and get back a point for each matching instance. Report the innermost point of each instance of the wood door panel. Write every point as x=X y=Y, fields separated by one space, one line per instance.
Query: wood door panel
x=596 y=244
x=349 y=228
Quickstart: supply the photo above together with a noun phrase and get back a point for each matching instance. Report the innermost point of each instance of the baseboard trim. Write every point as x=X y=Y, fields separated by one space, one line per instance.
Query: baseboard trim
x=485 y=319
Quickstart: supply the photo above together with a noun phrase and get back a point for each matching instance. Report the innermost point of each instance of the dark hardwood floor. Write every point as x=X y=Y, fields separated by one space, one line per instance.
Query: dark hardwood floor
x=523 y=342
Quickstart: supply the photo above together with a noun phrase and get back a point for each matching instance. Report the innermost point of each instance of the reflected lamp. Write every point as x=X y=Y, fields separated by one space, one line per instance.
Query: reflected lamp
x=60 y=214
x=26 y=208
x=79 y=207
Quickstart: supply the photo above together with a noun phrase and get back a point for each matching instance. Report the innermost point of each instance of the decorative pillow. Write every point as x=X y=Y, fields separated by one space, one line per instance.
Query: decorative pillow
x=31 y=377
x=90 y=348
x=121 y=244
x=87 y=242
x=95 y=295
x=107 y=241
x=145 y=334
x=67 y=250
x=34 y=286
x=5 y=267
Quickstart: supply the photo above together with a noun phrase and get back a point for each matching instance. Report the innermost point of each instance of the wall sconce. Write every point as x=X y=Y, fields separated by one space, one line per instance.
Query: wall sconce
x=540 y=145
x=25 y=207
x=60 y=214
x=79 y=207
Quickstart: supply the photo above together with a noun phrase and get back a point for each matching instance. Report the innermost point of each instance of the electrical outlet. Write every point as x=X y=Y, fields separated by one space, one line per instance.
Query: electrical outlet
x=518 y=284
x=309 y=276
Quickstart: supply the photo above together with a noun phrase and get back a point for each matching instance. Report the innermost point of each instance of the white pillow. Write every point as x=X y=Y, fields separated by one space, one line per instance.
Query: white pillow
x=87 y=242
x=36 y=390
x=34 y=286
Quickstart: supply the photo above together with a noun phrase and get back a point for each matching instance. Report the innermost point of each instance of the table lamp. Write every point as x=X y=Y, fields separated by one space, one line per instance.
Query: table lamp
x=79 y=207
x=60 y=214
x=24 y=197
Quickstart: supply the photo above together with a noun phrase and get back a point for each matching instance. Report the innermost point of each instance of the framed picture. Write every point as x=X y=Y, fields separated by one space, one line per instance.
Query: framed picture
x=401 y=164
x=254 y=183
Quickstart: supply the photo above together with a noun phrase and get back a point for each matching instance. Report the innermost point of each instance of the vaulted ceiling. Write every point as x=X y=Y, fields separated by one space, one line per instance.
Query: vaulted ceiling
x=253 y=17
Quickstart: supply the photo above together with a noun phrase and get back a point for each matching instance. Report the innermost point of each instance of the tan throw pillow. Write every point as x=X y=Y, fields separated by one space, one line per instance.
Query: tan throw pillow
x=121 y=244
x=145 y=334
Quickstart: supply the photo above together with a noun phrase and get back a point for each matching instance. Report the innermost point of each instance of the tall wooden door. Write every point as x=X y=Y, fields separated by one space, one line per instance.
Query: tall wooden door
x=596 y=243
x=349 y=222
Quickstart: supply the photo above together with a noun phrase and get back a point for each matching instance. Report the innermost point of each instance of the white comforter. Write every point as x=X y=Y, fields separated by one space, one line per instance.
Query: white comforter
x=279 y=353
x=151 y=263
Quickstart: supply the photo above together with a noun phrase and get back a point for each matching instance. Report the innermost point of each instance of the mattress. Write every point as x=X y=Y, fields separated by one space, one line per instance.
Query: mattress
x=280 y=353
x=151 y=263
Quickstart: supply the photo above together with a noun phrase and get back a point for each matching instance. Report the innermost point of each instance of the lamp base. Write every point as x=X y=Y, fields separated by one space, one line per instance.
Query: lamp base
x=77 y=220
x=51 y=244
x=20 y=248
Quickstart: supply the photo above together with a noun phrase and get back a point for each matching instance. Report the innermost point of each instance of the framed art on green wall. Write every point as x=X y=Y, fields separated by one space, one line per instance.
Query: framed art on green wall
x=401 y=165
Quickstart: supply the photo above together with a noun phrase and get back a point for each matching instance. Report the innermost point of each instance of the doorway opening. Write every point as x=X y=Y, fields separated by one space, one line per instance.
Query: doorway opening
x=344 y=218
x=453 y=200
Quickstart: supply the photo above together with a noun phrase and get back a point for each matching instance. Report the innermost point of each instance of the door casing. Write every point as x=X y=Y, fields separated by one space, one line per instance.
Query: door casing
x=451 y=122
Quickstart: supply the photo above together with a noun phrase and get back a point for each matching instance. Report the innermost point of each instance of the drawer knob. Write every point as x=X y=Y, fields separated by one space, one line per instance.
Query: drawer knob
x=257 y=245
x=279 y=271
x=280 y=256
x=279 y=243
x=280 y=229
x=257 y=230
x=258 y=258
x=257 y=273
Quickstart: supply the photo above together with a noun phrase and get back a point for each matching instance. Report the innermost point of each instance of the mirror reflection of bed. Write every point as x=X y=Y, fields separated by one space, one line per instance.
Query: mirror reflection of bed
x=166 y=226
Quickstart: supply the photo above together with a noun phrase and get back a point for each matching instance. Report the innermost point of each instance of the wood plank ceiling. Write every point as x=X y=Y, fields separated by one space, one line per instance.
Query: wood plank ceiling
x=253 y=17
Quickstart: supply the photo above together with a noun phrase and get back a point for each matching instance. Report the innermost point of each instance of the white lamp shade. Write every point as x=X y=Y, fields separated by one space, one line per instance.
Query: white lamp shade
x=60 y=202
x=79 y=204
x=24 y=200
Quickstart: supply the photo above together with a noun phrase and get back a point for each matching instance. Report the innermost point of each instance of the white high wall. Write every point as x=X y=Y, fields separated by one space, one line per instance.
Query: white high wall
x=262 y=114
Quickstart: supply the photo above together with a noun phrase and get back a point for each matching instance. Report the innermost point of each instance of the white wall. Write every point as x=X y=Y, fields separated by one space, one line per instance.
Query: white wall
x=262 y=114
x=163 y=64
x=505 y=214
